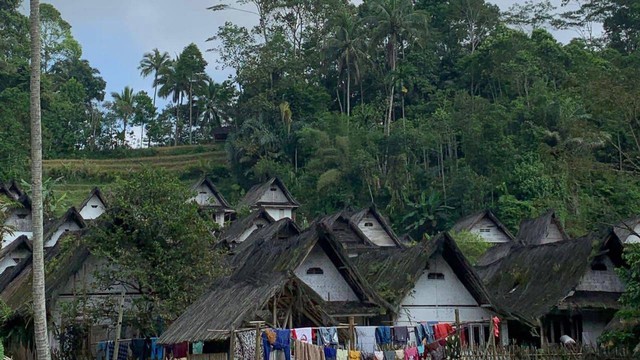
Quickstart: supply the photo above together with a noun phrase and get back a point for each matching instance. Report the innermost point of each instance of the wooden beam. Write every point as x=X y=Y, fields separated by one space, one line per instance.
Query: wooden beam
x=116 y=345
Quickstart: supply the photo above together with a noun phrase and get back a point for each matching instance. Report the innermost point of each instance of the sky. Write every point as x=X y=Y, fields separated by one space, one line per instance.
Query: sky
x=115 y=34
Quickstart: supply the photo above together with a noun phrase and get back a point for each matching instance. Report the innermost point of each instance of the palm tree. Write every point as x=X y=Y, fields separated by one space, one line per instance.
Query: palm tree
x=213 y=100
x=43 y=350
x=347 y=47
x=172 y=83
x=394 y=23
x=151 y=63
x=124 y=106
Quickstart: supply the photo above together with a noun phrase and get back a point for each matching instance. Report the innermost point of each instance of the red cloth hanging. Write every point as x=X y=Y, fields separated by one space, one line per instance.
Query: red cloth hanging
x=496 y=326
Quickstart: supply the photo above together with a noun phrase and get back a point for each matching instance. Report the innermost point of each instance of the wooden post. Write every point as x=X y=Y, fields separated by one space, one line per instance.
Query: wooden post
x=232 y=344
x=116 y=345
x=458 y=330
x=542 y=335
x=275 y=312
x=352 y=335
x=258 y=342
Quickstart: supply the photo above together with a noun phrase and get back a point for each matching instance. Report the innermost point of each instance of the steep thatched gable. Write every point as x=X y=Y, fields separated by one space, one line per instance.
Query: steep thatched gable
x=252 y=198
x=537 y=230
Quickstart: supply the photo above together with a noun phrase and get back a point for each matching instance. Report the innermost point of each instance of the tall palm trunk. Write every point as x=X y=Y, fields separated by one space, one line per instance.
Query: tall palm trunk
x=43 y=351
x=348 y=87
x=392 y=60
x=190 y=112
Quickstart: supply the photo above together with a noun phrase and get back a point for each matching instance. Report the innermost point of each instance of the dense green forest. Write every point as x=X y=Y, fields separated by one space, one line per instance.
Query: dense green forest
x=430 y=109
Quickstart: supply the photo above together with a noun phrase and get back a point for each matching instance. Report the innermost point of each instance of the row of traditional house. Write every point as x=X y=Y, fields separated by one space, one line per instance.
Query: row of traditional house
x=352 y=265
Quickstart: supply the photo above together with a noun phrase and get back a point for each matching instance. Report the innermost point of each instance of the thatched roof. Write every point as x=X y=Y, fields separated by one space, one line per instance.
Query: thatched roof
x=61 y=262
x=11 y=273
x=206 y=181
x=252 y=198
x=467 y=222
x=71 y=215
x=94 y=192
x=344 y=225
x=534 y=231
x=231 y=235
x=394 y=272
x=531 y=280
x=262 y=270
x=624 y=229
x=282 y=229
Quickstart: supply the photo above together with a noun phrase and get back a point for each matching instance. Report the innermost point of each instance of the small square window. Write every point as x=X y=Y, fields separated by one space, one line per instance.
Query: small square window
x=435 y=276
x=22 y=216
x=273 y=188
x=368 y=224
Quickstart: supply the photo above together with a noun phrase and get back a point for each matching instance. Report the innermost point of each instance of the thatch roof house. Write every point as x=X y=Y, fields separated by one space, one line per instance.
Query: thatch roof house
x=240 y=229
x=486 y=225
x=18 y=218
x=93 y=205
x=210 y=199
x=628 y=231
x=428 y=282
x=12 y=254
x=564 y=287
x=362 y=230
x=69 y=222
x=304 y=280
x=273 y=196
x=544 y=229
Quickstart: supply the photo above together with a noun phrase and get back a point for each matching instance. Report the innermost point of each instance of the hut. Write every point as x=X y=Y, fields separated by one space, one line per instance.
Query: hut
x=560 y=288
x=544 y=229
x=628 y=231
x=69 y=222
x=18 y=212
x=273 y=196
x=429 y=282
x=13 y=254
x=362 y=230
x=486 y=225
x=297 y=281
x=211 y=200
x=240 y=229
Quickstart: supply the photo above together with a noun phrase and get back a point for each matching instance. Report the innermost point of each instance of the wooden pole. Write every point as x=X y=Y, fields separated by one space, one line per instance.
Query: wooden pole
x=352 y=335
x=542 y=335
x=458 y=330
x=258 y=342
x=232 y=344
x=116 y=345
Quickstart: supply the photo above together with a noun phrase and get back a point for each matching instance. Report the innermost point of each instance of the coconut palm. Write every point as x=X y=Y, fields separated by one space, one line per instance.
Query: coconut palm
x=124 y=106
x=172 y=84
x=43 y=350
x=213 y=103
x=395 y=22
x=151 y=63
x=346 y=46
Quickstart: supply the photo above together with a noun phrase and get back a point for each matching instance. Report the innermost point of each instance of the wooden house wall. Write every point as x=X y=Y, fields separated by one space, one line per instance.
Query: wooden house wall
x=601 y=280
x=274 y=195
x=553 y=234
x=66 y=226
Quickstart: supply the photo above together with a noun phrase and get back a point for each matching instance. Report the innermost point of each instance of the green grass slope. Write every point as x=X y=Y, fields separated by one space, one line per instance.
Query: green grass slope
x=79 y=175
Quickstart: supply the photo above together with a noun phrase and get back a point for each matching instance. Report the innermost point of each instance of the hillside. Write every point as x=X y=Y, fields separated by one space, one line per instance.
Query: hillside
x=77 y=176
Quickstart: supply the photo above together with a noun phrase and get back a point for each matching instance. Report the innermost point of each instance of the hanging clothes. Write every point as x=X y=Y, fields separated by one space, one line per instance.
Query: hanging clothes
x=245 y=345
x=303 y=334
x=389 y=355
x=366 y=339
x=342 y=354
x=101 y=351
x=138 y=350
x=327 y=336
x=378 y=355
x=420 y=350
x=157 y=351
x=383 y=335
x=429 y=328
x=196 y=347
x=330 y=353
x=421 y=334
x=442 y=331
x=411 y=353
x=400 y=335
x=400 y=354
x=306 y=351
x=180 y=350
x=281 y=342
x=354 y=355
x=496 y=326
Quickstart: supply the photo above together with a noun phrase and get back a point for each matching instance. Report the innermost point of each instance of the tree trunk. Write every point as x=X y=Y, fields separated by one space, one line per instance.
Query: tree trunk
x=348 y=87
x=43 y=351
x=387 y=125
x=190 y=113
